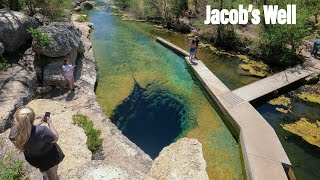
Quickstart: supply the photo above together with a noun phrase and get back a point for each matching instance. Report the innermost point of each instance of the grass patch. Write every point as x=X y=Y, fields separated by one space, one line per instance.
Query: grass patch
x=3 y=63
x=94 y=142
x=10 y=168
x=83 y=18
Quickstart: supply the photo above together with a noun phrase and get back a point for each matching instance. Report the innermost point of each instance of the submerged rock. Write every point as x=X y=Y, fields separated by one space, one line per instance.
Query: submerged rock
x=181 y=160
x=13 y=29
x=65 y=38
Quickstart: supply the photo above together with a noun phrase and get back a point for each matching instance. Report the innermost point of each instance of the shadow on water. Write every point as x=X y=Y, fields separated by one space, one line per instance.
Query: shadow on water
x=152 y=122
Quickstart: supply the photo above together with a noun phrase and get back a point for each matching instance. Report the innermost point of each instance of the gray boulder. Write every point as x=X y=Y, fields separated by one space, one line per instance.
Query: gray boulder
x=77 y=8
x=39 y=18
x=180 y=160
x=87 y=5
x=64 y=39
x=13 y=29
x=17 y=90
x=1 y=49
x=53 y=73
x=75 y=3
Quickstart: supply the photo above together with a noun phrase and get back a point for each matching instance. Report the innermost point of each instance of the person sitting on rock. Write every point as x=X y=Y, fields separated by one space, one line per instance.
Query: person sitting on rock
x=38 y=143
x=68 y=73
x=316 y=46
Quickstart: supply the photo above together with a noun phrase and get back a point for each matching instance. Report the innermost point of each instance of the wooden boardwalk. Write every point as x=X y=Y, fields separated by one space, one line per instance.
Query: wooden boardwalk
x=263 y=154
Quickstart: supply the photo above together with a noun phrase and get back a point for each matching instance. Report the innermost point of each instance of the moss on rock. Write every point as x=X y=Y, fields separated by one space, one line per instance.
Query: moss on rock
x=310 y=97
x=310 y=132
x=281 y=100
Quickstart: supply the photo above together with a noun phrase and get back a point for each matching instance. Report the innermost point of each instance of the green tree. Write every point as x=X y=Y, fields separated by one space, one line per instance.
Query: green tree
x=179 y=6
x=123 y=4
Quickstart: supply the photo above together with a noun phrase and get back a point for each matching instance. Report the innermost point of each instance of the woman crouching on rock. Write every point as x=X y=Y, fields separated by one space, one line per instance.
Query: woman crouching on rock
x=38 y=143
x=68 y=70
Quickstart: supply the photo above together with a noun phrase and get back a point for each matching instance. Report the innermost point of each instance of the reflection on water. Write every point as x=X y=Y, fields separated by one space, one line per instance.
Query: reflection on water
x=305 y=158
x=165 y=94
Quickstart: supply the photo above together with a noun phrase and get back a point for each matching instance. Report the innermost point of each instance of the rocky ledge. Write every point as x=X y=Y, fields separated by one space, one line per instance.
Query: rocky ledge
x=120 y=158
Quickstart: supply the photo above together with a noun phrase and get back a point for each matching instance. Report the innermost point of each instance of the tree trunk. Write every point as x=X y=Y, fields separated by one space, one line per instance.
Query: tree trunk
x=316 y=18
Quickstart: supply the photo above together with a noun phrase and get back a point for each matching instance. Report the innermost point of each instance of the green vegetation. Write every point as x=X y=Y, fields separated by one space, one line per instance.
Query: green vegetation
x=282 y=101
x=310 y=97
x=40 y=38
x=276 y=45
x=82 y=18
x=3 y=63
x=308 y=131
x=56 y=9
x=94 y=142
x=11 y=168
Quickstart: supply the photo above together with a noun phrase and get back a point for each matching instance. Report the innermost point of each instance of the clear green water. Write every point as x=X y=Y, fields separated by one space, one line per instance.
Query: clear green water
x=142 y=85
x=305 y=158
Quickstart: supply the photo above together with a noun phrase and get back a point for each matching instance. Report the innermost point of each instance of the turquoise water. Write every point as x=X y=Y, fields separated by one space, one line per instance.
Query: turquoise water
x=149 y=93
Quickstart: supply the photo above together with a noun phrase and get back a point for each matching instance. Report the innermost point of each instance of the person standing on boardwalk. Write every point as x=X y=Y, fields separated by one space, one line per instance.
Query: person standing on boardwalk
x=196 y=41
x=316 y=46
x=192 y=50
x=68 y=70
x=38 y=143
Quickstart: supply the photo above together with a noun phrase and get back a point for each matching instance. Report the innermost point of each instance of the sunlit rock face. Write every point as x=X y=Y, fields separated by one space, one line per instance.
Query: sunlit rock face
x=13 y=29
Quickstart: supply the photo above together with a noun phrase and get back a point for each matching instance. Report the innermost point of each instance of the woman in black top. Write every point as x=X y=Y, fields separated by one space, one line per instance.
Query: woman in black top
x=38 y=143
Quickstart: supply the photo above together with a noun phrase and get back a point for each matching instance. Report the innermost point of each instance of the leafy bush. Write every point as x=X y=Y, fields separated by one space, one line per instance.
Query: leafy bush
x=82 y=18
x=3 y=63
x=94 y=142
x=56 y=9
x=10 y=168
x=40 y=38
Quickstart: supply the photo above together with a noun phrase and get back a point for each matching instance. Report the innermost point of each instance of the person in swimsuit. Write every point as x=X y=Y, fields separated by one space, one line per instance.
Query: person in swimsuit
x=38 y=143
x=68 y=70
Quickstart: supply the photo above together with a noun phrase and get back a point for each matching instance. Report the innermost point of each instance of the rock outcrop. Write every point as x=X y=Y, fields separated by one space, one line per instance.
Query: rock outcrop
x=181 y=160
x=65 y=38
x=87 y=5
x=1 y=49
x=17 y=90
x=13 y=29
x=98 y=170
x=53 y=73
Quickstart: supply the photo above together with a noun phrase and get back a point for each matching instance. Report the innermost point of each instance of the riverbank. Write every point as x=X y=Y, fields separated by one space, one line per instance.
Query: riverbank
x=118 y=157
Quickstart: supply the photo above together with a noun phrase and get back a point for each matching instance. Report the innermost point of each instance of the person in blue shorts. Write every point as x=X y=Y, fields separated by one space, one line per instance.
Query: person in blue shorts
x=193 y=47
x=316 y=46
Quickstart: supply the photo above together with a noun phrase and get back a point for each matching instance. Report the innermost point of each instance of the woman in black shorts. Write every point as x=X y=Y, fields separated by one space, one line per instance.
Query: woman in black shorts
x=38 y=143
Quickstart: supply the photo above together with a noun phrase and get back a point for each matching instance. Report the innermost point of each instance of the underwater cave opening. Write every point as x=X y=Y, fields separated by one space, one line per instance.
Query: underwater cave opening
x=150 y=119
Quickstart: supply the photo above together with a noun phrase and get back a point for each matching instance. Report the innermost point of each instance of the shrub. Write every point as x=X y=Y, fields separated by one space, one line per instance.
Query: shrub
x=40 y=38
x=94 y=142
x=82 y=18
x=3 y=63
x=10 y=168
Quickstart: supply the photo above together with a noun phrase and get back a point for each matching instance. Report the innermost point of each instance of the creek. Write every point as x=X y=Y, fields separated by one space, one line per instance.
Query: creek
x=150 y=94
